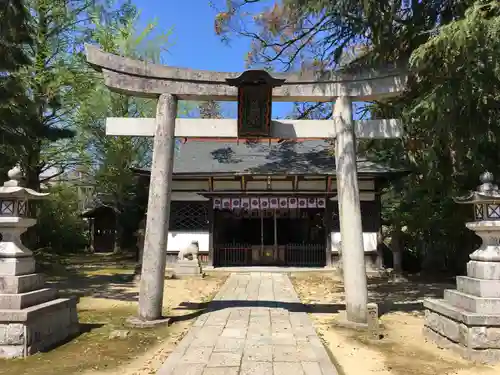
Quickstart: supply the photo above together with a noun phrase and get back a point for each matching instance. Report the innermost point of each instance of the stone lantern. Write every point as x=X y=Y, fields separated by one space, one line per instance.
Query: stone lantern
x=14 y=221
x=468 y=318
x=32 y=318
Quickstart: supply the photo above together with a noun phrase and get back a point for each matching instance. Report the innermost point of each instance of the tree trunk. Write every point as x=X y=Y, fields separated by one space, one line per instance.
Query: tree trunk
x=380 y=250
x=118 y=235
x=397 y=254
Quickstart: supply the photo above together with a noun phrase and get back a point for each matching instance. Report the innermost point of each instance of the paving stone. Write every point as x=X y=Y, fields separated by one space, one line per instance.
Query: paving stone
x=258 y=353
x=200 y=321
x=236 y=324
x=221 y=371
x=311 y=368
x=229 y=344
x=287 y=368
x=204 y=341
x=256 y=337
x=254 y=330
x=256 y=368
x=225 y=359
x=285 y=353
x=283 y=339
x=189 y=369
x=210 y=331
x=282 y=329
x=196 y=355
x=239 y=314
x=259 y=339
x=215 y=321
x=234 y=332
x=307 y=353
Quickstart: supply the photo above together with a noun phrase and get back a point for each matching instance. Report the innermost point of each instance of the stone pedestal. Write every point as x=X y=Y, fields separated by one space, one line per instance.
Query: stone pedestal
x=188 y=268
x=32 y=318
x=468 y=318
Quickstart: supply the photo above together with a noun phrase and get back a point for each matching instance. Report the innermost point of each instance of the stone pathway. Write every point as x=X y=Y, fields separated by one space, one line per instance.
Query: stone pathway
x=255 y=325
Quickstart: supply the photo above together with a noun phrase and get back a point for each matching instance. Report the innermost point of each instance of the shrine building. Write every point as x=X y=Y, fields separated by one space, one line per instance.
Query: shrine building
x=266 y=203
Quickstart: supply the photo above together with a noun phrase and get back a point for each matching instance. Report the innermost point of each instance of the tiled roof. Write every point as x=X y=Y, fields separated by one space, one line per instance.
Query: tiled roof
x=306 y=157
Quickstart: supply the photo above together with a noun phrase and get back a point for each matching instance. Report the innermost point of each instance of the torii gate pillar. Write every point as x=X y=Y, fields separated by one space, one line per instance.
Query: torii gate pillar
x=353 y=257
x=155 y=239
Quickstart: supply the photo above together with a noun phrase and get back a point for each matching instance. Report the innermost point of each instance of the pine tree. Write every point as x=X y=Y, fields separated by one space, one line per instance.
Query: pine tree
x=14 y=39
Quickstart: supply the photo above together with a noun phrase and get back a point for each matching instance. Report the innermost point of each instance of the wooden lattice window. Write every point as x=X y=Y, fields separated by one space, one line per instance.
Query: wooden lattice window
x=189 y=216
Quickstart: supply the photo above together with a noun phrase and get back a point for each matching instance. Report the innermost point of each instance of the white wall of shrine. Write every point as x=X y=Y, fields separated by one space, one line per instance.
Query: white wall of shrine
x=369 y=241
x=369 y=238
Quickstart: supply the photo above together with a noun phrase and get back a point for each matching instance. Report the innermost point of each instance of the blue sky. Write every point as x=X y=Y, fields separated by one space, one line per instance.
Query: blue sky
x=194 y=43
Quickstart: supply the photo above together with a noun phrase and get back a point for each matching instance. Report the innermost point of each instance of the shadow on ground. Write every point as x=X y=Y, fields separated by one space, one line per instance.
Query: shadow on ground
x=109 y=277
x=90 y=275
x=110 y=286
x=391 y=296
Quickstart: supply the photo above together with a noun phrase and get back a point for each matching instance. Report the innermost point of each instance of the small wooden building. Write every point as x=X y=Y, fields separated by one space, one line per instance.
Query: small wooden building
x=102 y=228
x=276 y=204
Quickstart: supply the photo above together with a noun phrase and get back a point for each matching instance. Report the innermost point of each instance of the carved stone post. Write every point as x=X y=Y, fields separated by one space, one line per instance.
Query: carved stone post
x=353 y=257
x=155 y=240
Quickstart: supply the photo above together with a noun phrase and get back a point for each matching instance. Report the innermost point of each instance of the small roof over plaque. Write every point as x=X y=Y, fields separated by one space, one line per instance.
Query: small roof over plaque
x=255 y=77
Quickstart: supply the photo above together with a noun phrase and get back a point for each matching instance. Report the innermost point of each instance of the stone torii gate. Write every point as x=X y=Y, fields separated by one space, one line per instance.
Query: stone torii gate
x=169 y=84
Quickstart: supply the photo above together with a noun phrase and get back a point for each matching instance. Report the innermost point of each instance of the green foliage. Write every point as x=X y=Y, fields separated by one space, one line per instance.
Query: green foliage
x=54 y=86
x=14 y=38
x=110 y=159
x=451 y=136
x=60 y=226
x=450 y=110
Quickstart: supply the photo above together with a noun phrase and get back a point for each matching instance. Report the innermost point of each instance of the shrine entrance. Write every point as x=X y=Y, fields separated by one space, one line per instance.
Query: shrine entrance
x=265 y=236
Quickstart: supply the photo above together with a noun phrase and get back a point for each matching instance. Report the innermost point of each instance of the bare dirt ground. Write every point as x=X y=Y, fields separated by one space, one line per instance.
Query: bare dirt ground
x=108 y=296
x=402 y=350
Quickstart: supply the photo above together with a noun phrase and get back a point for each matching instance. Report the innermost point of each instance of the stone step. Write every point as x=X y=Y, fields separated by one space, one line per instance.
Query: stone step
x=482 y=305
x=21 y=284
x=23 y=300
x=460 y=315
x=37 y=328
x=483 y=270
x=478 y=287
x=33 y=312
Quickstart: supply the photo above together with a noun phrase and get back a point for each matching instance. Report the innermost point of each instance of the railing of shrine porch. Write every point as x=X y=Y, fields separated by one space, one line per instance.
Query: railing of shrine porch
x=294 y=255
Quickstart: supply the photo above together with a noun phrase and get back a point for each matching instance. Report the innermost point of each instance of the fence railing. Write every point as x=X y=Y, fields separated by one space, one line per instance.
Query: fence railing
x=305 y=255
x=228 y=255
x=295 y=255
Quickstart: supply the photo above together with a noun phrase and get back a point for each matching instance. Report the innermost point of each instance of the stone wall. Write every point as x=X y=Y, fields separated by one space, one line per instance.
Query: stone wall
x=477 y=343
x=43 y=330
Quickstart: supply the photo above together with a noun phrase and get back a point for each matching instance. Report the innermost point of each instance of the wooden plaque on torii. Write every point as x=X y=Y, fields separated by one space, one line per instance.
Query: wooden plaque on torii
x=255 y=91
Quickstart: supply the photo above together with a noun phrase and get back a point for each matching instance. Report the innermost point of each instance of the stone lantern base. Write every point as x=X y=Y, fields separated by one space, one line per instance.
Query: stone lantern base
x=32 y=318
x=468 y=318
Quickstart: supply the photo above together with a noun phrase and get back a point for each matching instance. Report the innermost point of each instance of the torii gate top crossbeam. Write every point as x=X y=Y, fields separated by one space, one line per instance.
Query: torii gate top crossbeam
x=139 y=78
